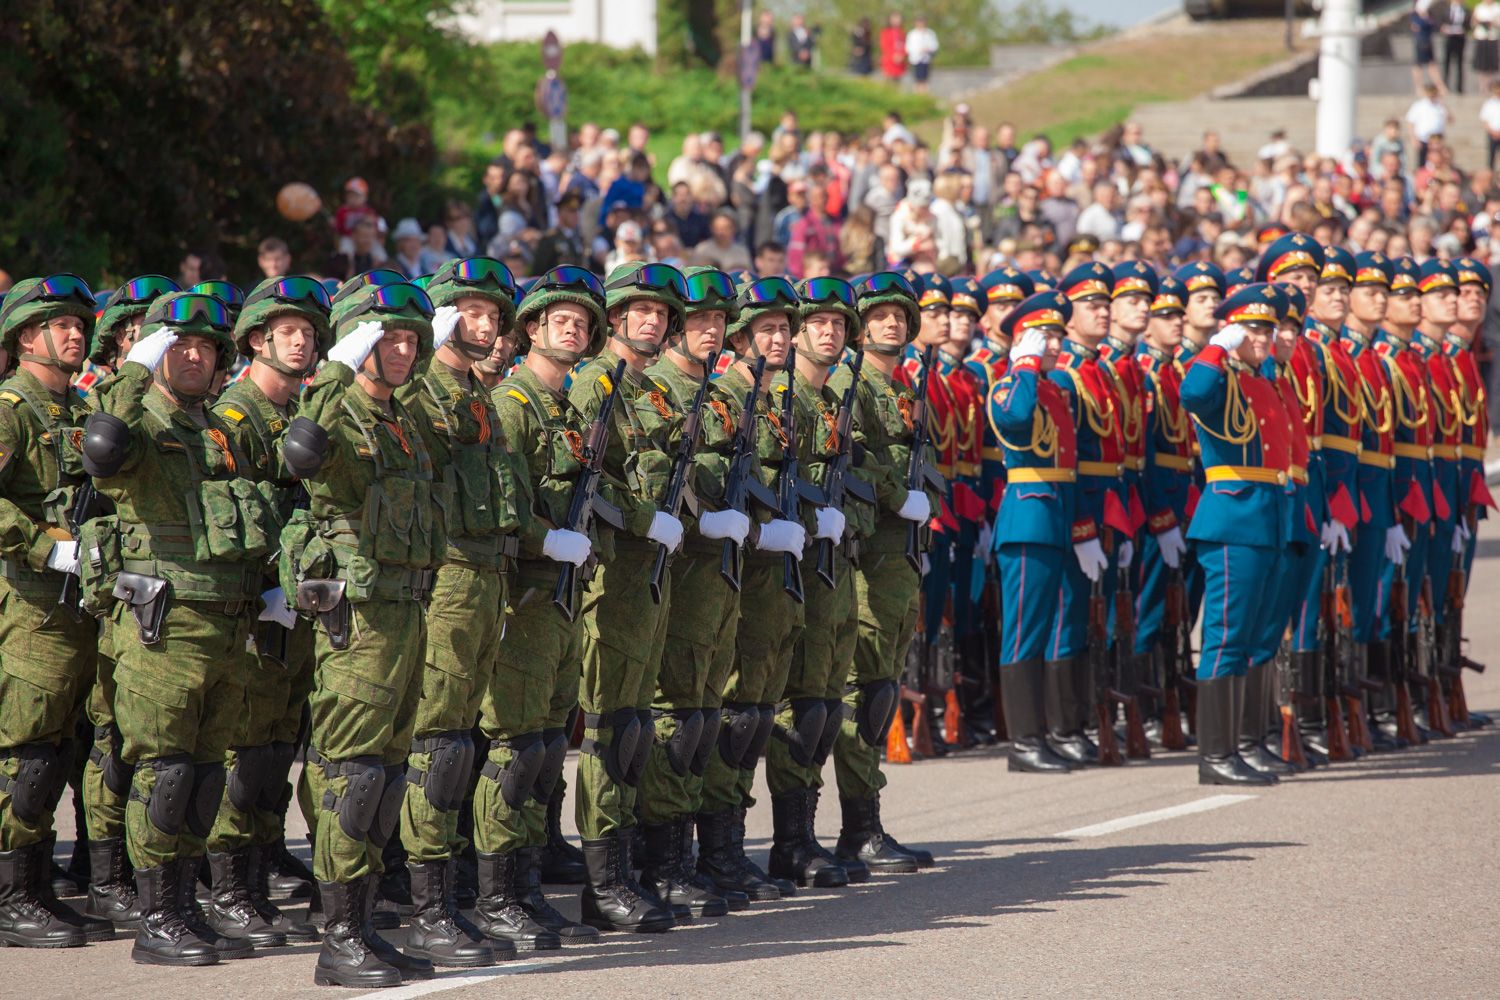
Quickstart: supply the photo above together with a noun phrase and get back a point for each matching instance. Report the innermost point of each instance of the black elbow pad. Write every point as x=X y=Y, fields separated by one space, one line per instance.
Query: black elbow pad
x=106 y=443
x=304 y=448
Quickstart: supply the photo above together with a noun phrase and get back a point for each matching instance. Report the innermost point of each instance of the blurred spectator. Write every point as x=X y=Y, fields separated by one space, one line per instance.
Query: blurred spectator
x=461 y=241
x=765 y=37
x=564 y=242
x=355 y=206
x=407 y=238
x=487 y=204
x=1060 y=211
x=921 y=46
x=273 y=257
x=690 y=224
x=435 y=250
x=517 y=235
x=629 y=246
x=950 y=234
x=796 y=204
x=800 y=40
x=893 y=48
x=884 y=198
x=913 y=240
x=862 y=250
x=1455 y=32
x=1424 y=62
x=1102 y=218
x=862 y=48
x=770 y=258
x=1489 y=115
x=1427 y=117
x=723 y=249
x=1486 y=15
x=814 y=232
x=364 y=251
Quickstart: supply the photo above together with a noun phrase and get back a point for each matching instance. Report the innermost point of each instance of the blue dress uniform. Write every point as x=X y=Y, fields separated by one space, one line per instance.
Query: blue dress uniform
x=1241 y=527
x=1476 y=416
x=1034 y=532
x=969 y=500
x=1042 y=280
x=1102 y=513
x=987 y=363
x=1195 y=277
x=1448 y=427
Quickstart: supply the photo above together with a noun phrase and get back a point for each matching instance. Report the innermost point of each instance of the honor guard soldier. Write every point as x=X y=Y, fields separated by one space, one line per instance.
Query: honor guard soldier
x=1034 y=531
x=1463 y=337
x=48 y=649
x=1204 y=285
x=1242 y=521
x=1003 y=291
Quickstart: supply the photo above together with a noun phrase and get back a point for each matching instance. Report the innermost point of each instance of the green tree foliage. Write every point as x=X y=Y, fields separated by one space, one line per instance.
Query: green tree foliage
x=135 y=132
x=397 y=48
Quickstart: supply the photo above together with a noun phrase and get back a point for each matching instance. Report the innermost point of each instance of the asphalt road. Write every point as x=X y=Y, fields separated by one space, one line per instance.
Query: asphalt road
x=1372 y=879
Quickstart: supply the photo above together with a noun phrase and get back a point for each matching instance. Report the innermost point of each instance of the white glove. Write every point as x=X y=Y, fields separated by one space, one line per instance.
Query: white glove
x=986 y=541
x=830 y=524
x=275 y=609
x=915 y=507
x=1126 y=552
x=666 y=530
x=1091 y=558
x=1172 y=547
x=1460 y=538
x=562 y=545
x=782 y=536
x=357 y=344
x=926 y=565
x=1396 y=544
x=150 y=350
x=1230 y=338
x=444 y=322
x=726 y=524
x=64 y=557
x=1033 y=344
x=1335 y=537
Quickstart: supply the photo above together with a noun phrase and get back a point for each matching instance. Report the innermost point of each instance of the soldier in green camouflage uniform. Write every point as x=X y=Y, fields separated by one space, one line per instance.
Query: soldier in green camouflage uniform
x=362 y=558
x=699 y=650
x=46 y=656
x=488 y=506
x=280 y=331
x=624 y=629
x=811 y=707
x=770 y=620
x=192 y=535
x=535 y=689
x=886 y=585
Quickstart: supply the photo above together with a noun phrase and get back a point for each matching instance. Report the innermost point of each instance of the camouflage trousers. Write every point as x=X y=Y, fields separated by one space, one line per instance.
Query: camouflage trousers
x=106 y=776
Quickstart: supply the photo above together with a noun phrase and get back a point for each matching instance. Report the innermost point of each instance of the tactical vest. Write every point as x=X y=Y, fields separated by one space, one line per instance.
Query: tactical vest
x=479 y=481
x=64 y=440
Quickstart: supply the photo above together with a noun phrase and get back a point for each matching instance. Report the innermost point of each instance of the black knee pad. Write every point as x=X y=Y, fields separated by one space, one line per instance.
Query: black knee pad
x=208 y=794
x=447 y=775
x=809 y=718
x=360 y=802
x=518 y=778
x=832 y=723
x=171 y=794
x=556 y=741
x=112 y=767
x=765 y=725
x=388 y=813
x=878 y=702
x=737 y=733
x=682 y=748
x=637 y=766
x=38 y=782
x=253 y=770
x=275 y=790
x=707 y=740
x=625 y=735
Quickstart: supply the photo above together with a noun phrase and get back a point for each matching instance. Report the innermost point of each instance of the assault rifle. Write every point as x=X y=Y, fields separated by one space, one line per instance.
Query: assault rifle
x=1136 y=745
x=84 y=499
x=586 y=501
x=840 y=479
x=741 y=486
x=788 y=494
x=919 y=474
x=682 y=466
x=1098 y=639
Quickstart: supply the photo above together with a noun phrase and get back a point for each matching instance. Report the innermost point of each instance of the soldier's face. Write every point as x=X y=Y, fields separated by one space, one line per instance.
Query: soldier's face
x=564 y=327
x=960 y=332
x=189 y=365
x=478 y=320
x=1440 y=307
x=1403 y=312
x=68 y=340
x=1200 y=308
x=646 y=320
x=1129 y=315
x=1054 y=336
x=293 y=338
x=993 y=315
x=1164 y=330
x=823 y=334
x=772 y=336
x=1330 y=302
x=1256 y=346
x=1090 y=320
x=1472 y=302
x=885 y=325
x=1367 y=303
x=934 y=328
x=397 y=352
x=1305 y=278
x=1286 y=340
x=703 y=332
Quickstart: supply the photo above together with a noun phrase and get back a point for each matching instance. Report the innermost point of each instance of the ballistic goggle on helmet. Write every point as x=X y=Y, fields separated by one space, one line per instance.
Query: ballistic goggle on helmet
x=38 y=300
x=193 y=314
x=565 y=283
x=125 y=303
x=293 y=294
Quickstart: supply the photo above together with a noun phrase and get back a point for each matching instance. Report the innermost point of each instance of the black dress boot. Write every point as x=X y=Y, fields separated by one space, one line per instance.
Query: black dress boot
x=1067 y=710
x=528 y=887
x=296 y=931
x=434 y=934
x=93 y=928
x=1382 y=704
x=923 y=858
x=1254 y=715
x=346 y=959
x=162 y=937
x=687 y=867
x=499 y=914
x=111 y=894
x=719 y=862
x=793 y=849
x=409 y=966
x=1218 y=761
x=562 y=863
x=609 y=902
x=661 y=874
x=785 y=886
x=862 y=839
x=1022 y=688
x=24 y=921
x=230 y=912
x=197 y=920
x=287 y=876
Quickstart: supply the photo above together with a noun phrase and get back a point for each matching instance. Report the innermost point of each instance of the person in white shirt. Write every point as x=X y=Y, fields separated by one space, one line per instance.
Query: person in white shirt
x=1489 y=114
x=921 y=46
x=1427 y=117
x=1101 y=219
x=1486 y=19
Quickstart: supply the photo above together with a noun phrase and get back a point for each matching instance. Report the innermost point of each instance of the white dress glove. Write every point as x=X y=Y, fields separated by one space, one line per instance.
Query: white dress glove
x=562 y=545
x=150 y=350
x=1335 y=537
x=986 y=541
x=915 y=507
x=782 y=536
x=1091 y=558
x=275 y=609
x=356 y=345
x=666 y=530
x=926 y=565
x=1172 y=547
x=444 y=322
x=1461 y=536
x=830 y=524
x=1230 y=338
x=1033 y=344
x=63 y=557
x=724 y=524
x=1396 y=544
x=1126 y=552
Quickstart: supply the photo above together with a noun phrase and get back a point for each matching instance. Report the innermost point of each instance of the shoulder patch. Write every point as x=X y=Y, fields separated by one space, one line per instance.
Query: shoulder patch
x=230 y=413
x=518 y=396
x=604 y=380
x=11 y=398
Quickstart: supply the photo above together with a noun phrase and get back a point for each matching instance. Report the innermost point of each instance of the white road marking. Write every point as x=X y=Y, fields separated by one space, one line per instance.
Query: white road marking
x=1155 y=816
x=449 y=979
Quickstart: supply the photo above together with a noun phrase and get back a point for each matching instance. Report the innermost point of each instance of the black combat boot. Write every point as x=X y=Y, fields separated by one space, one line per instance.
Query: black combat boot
x=562 y=863
x=1381 y=704
x=862 y=839
x=75 y=878
x=661 y=874
x=609 y=902
x=1023 y=687
x=528 y=888
x=296 y=931
x=785 y=886
x=395 y=881
x=499 y=914
x=1218 y=761
x=93 y=929
x=794 y=852
x=162 y=936
x=1067 y=709
x=111 y=894
x=1254 y=716
x=688 y=868
x=25 y=922
x=197 y=920
x=346 y=958
x=410 y=966
x=631 y=840
x=719 y=862
x=434 y=934
x=230 y=911
x=287 y=877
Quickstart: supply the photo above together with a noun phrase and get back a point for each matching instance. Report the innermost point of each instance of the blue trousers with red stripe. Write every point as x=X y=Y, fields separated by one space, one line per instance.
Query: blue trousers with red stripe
x=1030 y=579
x=1367 y=595
x=1282 y=596
x=1235 y=609
x=937 y=585
x=1070 y=617
x=1310 y=578
x=1152 y=577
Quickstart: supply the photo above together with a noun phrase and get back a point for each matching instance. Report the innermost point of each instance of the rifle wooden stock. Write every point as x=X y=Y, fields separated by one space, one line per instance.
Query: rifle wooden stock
x=1172 y=736
x=1109 y=747
x=1406 y=721
x=1338 y=736
x=1292 y=749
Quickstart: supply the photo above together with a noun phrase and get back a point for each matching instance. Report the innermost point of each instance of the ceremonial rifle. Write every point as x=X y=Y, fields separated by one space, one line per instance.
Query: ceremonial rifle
x=1178 y=659
x=1453 y=633
x=740 y=485
x=840 y=479
x=1328 y=647
x=921 y=476
x=1136 y=745
x=788 y=496
x=682 y=466
x=1098 y=637
x=586 y=501
x=1406 y=725
x=1353 y=686
x=1425 y=640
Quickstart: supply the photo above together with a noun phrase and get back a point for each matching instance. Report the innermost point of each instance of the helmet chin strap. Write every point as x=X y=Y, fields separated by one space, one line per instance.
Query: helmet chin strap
x=889 y=350
x=470 y=350
x=649 y=348
x=50 y=359
x=680 y=348
x=806 y=350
